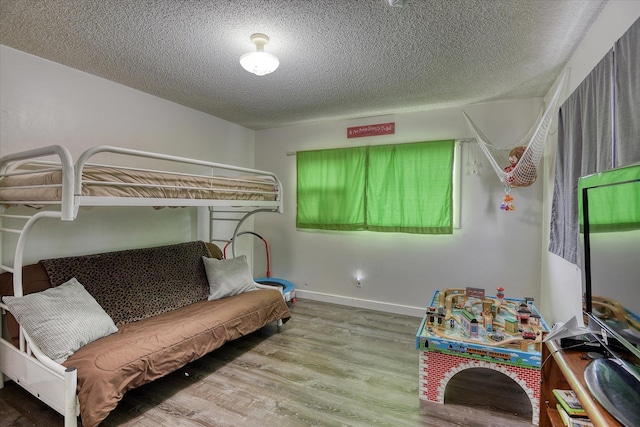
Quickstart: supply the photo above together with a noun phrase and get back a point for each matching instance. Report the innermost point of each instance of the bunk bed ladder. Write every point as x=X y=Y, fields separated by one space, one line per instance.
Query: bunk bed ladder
x=235 y=216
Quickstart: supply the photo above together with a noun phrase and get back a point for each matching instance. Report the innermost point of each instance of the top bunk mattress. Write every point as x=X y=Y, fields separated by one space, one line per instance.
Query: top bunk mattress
x=100 y=181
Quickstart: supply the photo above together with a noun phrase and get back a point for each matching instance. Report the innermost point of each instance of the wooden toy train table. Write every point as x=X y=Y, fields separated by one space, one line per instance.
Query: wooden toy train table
x=464 y=329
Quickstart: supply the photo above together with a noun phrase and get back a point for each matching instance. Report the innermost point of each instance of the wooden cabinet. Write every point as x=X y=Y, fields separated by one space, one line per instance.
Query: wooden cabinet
x=564 y=369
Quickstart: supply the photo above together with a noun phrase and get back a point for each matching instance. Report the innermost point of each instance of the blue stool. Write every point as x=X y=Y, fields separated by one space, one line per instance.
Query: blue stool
x=288 y=289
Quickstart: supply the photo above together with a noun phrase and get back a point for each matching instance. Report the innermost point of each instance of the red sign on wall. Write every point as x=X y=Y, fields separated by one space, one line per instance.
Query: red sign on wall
x=371 y=130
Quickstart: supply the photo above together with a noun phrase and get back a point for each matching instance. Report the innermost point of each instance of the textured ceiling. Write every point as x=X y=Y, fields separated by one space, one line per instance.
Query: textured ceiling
x=338 y=58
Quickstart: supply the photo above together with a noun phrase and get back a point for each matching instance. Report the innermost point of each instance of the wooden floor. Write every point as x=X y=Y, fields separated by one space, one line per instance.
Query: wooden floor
x=330 y=365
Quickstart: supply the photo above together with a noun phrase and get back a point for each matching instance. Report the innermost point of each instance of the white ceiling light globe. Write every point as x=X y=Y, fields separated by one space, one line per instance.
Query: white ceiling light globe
x=259 y=62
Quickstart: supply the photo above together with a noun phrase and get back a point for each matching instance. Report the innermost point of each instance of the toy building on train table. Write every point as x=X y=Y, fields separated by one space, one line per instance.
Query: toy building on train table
x=461 y=319
x=464 y=328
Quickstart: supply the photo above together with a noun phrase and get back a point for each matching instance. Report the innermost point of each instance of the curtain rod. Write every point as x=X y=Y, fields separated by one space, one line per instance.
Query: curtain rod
x=460 y=140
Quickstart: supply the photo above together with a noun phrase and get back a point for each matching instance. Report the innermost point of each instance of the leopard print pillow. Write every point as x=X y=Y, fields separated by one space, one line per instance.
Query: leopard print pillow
x=136 y=284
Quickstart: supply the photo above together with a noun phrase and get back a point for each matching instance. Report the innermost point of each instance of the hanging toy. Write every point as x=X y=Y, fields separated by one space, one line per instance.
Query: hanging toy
x=507 y=204
x=514 y=157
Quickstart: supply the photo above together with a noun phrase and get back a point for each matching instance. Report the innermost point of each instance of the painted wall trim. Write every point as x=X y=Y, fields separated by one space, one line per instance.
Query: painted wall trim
x=417 y=312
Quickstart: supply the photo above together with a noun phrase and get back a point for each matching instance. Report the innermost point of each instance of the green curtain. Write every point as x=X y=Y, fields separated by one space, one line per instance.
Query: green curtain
x=410 y=187
x=391 y=188
x=331 y=189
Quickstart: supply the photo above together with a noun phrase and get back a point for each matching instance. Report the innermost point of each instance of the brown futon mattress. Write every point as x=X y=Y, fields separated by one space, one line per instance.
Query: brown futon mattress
x=148 y=349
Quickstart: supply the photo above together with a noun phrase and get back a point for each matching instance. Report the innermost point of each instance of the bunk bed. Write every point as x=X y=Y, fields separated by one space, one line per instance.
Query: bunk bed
x=59 y=188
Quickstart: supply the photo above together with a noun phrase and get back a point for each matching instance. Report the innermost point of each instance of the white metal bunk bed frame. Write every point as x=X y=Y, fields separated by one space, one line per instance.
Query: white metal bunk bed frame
x=28 y=366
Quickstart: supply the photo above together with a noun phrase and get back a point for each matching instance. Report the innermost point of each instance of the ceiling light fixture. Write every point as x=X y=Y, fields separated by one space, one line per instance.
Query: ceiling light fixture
x=259 y=62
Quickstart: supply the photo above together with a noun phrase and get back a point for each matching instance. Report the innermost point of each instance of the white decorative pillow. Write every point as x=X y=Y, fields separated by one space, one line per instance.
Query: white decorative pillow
x=228 y=277
x=60 y=320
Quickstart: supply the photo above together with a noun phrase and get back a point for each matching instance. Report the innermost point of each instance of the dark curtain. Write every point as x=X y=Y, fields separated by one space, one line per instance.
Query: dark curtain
x=598 y=129
x=627 y=97
x=584 y=147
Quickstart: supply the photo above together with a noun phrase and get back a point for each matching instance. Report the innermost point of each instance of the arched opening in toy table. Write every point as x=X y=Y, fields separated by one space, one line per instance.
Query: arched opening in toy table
x=486 y=388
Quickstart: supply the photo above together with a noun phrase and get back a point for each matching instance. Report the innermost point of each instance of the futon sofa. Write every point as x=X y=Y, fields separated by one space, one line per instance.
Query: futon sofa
x=157 y=310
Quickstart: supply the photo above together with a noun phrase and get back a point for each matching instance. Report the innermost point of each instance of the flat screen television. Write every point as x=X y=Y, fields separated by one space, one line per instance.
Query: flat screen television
x=609 y=215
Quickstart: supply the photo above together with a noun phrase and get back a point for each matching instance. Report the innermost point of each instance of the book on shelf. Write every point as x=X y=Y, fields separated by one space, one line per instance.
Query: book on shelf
x=580 y=422
x=563 y=414
x=569 y=421
x=569 y=402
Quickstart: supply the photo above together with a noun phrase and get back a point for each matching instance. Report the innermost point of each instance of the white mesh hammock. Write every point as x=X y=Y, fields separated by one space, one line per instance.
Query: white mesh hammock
x=529 y=150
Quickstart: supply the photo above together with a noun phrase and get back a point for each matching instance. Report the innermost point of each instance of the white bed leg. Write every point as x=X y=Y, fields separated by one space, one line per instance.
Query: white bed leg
x=70 y=408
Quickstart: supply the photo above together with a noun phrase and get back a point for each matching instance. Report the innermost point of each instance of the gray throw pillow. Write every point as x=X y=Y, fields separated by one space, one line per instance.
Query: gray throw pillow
x=60 y=320
x=228 y=277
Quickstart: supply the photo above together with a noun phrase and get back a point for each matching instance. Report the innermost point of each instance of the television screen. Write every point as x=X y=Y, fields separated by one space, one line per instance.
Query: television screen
x=610 y=234
x=610 y=226
x=615 y=282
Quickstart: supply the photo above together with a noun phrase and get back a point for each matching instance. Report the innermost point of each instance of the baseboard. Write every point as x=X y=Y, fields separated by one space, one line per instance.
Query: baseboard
x=362 y=303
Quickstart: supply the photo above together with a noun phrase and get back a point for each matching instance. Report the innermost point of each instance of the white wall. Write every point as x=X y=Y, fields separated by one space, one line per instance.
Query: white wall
x=561 y=285
x=401 y=271
x=44 y=103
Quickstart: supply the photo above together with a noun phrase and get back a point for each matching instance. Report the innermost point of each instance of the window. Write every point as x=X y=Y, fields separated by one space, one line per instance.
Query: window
x=404 y=188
